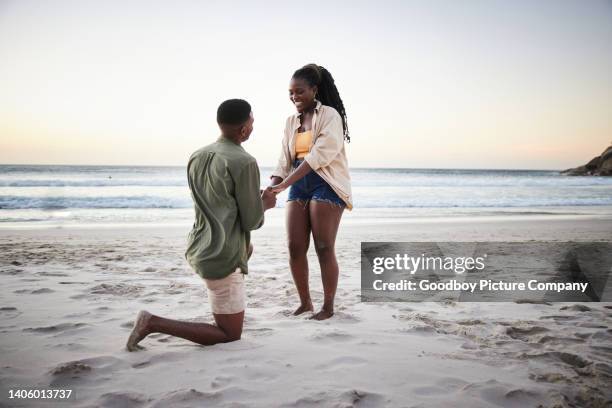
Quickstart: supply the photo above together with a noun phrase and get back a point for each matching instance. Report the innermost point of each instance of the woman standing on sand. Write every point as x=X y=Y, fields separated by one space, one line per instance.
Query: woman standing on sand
x=313 y=163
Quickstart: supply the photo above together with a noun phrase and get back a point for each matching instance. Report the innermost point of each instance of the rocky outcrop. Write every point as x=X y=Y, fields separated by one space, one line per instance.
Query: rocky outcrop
x=598 y=166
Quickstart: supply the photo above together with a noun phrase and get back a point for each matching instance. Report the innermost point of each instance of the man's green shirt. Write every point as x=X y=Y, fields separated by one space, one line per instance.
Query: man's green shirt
x=224 y=182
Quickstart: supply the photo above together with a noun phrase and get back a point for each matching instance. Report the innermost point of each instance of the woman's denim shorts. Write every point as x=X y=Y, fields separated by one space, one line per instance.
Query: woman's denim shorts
x=313 y=187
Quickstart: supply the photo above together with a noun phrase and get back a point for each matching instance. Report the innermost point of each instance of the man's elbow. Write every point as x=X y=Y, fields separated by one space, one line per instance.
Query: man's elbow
x=259 y=224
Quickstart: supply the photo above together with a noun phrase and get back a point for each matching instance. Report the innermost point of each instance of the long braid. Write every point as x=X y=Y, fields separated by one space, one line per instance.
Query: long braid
x=327 y=92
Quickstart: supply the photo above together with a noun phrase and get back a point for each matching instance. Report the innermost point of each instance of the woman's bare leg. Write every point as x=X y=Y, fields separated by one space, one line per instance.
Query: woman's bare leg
x=298 y=240
x=324 y=221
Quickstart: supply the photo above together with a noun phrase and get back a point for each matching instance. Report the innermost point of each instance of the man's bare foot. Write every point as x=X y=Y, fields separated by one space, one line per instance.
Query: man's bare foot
x=303 y=308
x=140 y=330
x=323 y=314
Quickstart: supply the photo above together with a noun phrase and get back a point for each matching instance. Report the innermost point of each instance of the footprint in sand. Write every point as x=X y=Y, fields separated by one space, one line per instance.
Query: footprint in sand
x=66 y=374
x=73 y=369
x=525 y=333
x=56 y=328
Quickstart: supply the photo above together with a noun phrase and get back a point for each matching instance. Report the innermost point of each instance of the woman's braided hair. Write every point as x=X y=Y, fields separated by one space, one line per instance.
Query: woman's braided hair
x=316 y=75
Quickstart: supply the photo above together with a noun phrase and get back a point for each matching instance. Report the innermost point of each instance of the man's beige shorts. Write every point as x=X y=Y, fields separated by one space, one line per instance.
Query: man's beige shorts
x=227 y=295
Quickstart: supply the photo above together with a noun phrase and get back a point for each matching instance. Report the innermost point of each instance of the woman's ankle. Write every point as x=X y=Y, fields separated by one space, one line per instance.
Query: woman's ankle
x=328 y=307
x=306 y=303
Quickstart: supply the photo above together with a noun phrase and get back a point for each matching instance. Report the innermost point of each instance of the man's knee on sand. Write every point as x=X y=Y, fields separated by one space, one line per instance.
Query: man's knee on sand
x=233 y=337
x=231 y=325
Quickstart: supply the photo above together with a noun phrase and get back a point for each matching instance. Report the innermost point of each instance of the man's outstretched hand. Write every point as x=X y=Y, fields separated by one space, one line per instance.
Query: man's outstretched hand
x=269 y=199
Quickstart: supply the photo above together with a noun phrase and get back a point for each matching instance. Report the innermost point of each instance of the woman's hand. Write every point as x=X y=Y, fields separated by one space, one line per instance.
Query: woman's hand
x=278 y=188
x=296 y=175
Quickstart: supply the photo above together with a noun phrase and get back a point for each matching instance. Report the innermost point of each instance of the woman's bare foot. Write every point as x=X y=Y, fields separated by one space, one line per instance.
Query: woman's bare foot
x=323 y=314
x=140 y=330
x=303 y=308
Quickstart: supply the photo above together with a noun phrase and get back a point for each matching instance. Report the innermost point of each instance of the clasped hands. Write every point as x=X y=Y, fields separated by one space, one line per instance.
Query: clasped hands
x=268 y=195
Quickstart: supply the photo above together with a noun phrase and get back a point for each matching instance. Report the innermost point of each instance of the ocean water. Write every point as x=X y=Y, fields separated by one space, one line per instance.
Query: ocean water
x=35 y=195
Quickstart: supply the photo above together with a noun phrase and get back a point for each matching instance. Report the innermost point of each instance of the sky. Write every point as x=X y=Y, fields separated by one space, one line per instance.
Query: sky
x=426 y=84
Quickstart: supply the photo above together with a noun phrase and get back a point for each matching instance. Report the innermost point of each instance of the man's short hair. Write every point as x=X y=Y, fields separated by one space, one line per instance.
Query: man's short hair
x=233 y=112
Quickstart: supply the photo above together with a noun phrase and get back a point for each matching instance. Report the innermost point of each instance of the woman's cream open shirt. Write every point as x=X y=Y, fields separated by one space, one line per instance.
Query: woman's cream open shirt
x=327 y=155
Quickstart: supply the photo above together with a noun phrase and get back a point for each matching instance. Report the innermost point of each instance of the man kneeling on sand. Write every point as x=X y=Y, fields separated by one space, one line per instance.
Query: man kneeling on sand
x=224 y=182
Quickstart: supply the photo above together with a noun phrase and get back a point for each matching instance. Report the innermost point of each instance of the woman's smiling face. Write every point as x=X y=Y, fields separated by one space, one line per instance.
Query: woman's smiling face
x=302 y=94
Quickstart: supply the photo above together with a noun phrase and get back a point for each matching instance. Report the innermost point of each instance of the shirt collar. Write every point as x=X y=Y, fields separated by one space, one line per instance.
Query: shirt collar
x=224 y=139
x=317 y=107
x=298 y=115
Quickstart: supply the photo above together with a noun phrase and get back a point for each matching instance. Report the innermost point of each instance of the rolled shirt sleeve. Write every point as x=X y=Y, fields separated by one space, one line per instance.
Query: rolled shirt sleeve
x=248 y=197
x=282 y=168
x=328 y=144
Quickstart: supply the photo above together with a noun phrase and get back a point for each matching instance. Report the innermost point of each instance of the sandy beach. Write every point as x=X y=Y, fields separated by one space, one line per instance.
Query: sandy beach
x=70 y=295
x=470 y=139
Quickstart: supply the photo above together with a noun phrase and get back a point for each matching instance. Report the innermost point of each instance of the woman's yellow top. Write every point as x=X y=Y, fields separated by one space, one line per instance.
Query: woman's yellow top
x=303 y=140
